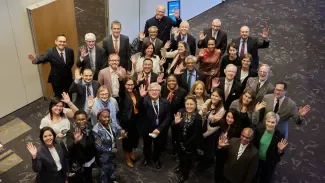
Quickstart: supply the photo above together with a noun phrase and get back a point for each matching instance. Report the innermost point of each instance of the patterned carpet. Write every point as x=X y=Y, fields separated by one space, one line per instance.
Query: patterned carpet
x=296 y=55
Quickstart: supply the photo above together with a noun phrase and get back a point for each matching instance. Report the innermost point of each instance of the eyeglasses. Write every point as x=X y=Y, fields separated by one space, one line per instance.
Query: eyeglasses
x=103 y=94
x=129 y=84
x=279 y=90
x=154 y=90
x=114 y=60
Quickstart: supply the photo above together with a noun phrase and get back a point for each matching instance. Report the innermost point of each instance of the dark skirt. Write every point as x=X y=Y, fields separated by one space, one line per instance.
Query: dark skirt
x=131 y=127
x=53 y=177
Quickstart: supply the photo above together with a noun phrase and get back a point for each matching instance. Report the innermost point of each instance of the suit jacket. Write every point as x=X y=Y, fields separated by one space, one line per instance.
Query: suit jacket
x=104 y=77
x=233 y=94
x=267 y=87
x=221 y=42
x=124 y=50
x=251 y=73
x=81 y=92
x=244 y=169
x=158 y=45
x=287 y=110
x=191 y=41
x=45 y=166
x=148 y=115
x=100 y=61
x=60 y=70
x=253 y=44
x=126 y=105
x=182 y=79
x=272 y=154
x=178 y=99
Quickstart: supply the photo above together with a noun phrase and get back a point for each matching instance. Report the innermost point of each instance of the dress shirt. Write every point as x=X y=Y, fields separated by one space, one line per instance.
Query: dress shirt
x=115 y=82
x=243 y=75
x=153 y=41
x=184 y=37
x=64 y=57
x=153 y=105
x=91 y=92
x=149 y=78
x=261 y=82
x=230 y=86
x=280 y=102
x=92 y=55
x=56 y=158
x=216 y=34
x=241 y=150
x=193 y=76
x=118 y=42
x=241 y=42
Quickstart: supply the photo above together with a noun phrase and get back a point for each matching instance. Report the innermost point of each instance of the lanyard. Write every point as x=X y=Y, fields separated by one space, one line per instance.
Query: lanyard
x=110 y=133
x=157 y=112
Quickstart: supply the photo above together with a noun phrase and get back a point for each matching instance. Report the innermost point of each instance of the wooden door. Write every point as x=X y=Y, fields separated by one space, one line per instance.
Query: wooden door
x=47 y=21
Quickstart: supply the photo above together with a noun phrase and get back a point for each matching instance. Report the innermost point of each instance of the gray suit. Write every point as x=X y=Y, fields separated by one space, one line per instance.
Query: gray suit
x=158 y=45
x=288 y=109
x=267 y=88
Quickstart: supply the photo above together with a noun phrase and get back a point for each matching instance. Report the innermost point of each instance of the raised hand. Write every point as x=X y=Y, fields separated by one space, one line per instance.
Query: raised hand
x=160 y=78
x=201 y=53
x=162 y=61
x=282 y=144
x=134 y=60
x=176 y=13
x=77 y=134
x=83 y=52
x=31 y=57
x=178 y=69
x=215 y=82
x=119 y=71
x=90 y=101
x=176 y=32
x=142 y=36
x=142 y=90
x=140 y=76
x=77 y=74
x=32 y=149
x=223 y=141
x=202 y=36
x=265 y=33
x=304 y=110
x=178 y=117
x=65 y=98
x=167 y=44
x=260 y=105
x=204 y=111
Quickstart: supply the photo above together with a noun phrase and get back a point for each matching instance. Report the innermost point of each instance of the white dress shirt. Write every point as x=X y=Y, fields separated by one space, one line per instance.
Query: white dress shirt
x=118 y=42
x=215 y=34
x=56 y=158
x=280 y=102
x=64 y=57
x=115 y=82
x=230 y=85
x=261 y=82
x=241 y=150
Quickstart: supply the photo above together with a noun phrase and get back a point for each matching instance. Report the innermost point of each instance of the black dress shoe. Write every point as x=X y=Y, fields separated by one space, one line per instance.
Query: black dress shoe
x=177 y=169
x=182 y=179
x=158 y=165
x=145 y=163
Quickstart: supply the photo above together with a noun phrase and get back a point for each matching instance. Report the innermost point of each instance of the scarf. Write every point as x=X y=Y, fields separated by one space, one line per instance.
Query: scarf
x=170 y=96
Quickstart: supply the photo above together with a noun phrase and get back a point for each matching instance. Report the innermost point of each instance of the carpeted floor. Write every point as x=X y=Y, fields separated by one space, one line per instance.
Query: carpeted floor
x=296 y=55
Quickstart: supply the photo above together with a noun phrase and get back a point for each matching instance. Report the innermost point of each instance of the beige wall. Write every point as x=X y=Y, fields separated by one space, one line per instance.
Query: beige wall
x=20 y=83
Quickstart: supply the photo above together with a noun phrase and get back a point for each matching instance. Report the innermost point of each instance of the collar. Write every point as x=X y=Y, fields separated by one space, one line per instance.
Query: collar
x=281 y=100
x=149 y=75
x=59 y=51
x=243 y=146
x=153 y=41
x=111 y=70
x=92 y=48
x=193 y=72
x=113 y=38
x=184 y=36
x=241 y=39
x=230 y=82
x=152 y=101
x=262 y=82
x=84 y=83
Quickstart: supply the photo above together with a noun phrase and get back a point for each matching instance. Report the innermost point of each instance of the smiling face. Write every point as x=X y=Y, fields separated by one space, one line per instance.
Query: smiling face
x=48 y=138
x=270 y=123
x=149 y=51
x=232 y=51
x=181 y=48
x=247 y=98
x=104 y=118
x=129 y=86
x=171 y=82
x=153 y=32
x=216 y=24
x=81 y=121
x=190 y=63
x=199 y=89
x=244 y=32
x=230 y=72
x=230 y=118
x=90 y=44
x=183 y=27
x=103 y=95
x=160 y=12
x=57 y=108
x=116 y=30
x=154 y=92
x=246 y=137
x=246 y=63
x=147 y=66
x=215 y=98
x=190 y=106
x=211 y=45
x=279 y=91
x=114 y=61
x=263 y=73
x=61 y=42
x=87 y=75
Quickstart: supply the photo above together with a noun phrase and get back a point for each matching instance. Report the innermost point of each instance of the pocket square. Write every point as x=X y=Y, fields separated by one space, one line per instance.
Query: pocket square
x=234 y=94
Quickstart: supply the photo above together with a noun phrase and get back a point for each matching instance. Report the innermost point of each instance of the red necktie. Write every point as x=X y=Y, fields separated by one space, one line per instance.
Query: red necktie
x=147 y=81
x=242 y=49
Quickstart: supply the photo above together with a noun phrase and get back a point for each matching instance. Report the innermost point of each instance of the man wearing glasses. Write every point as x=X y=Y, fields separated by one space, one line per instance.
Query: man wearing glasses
x=153 y=32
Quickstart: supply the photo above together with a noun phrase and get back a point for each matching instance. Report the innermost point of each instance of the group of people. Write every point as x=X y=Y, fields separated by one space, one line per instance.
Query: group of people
x=218 y=102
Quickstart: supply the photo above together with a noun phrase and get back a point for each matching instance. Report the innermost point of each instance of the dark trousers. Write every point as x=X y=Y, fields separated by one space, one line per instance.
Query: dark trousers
x=207 y=145
x=175 y=137
x=61 y=87
x=185 y=162
x=264 y=173
x=83 y=177
x=158 y=146
x=130 y=126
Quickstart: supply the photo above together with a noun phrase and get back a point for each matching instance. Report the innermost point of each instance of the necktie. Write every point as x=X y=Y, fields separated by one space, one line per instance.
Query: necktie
x=105 y=104
x=61 y=55
x=115 y=46
x=88 y=90
x=134 y=100
x=227 y=90
x=155 y=106
x=242 y=49
x=170 y=96
x=182 y=38
x=92 y=62
x=147 y=81
x=258 y=87
x=276 y=107
x=214 y=35
x=189 y=80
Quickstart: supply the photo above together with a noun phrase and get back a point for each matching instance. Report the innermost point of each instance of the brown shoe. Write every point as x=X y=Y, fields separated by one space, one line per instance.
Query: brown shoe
x=128 y=160
x=132 y=156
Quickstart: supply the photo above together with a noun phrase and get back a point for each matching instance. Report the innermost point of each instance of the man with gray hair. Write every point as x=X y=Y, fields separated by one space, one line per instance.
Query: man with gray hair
x=91 y=56
x=186 y=77
x=214 y=32
x=181 y=34
x=153 y=32
x=156 y=118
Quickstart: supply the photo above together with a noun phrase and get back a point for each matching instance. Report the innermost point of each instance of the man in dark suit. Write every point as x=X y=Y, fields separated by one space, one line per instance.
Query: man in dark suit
x=189 y=75
x=119 y=44
x=153 y=32
x=84 y=86
x=181 y=34
x=164 y=23
x=214 y=32
x=146 y=76
x=229 y=86
x=242 y=160
x=91 y=56
x=248 y=44
x=261 y=85
x=61 y=59
x=156 y=118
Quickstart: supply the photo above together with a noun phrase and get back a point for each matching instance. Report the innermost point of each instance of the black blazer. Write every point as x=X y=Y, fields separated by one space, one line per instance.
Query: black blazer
x=253 y=44
x=148 y=115
x=182 y=79
x=233 y=94
x=191 y=41
x=251 y=73
x=84 y=150
x=178 y=99
x=80 y=89
x=45 y=166
x=244 y=169
x=221 y=42
x=124 y=50
x=272 y=154
x=101 y=61
x=126 y=104
x=60 y=71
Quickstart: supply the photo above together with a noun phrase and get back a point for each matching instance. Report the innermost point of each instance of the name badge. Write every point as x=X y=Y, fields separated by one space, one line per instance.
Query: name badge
x=157 y=121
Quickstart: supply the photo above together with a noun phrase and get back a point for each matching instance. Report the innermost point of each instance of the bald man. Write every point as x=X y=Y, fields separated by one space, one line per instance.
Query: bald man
x=163 y=23
x=248 y=44
x=181 y=34
x=242 y=160
x=216 y=33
